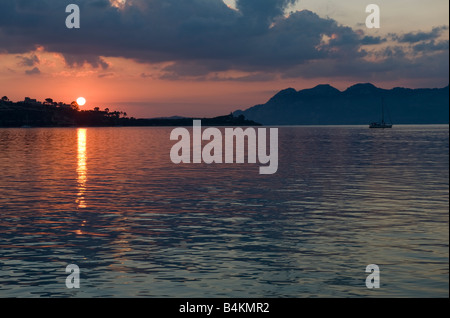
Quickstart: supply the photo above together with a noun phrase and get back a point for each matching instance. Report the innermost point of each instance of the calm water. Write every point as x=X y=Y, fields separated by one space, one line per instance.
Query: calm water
x=111 y=201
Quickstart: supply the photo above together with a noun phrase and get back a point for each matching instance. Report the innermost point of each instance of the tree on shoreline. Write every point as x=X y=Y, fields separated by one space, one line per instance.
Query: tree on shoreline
x=74 y=105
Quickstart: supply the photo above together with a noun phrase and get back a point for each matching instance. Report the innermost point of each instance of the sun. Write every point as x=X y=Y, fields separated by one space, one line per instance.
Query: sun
x=81 y=101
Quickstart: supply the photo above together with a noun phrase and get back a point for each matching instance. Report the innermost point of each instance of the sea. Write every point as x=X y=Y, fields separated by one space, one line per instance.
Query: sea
x=111 y=202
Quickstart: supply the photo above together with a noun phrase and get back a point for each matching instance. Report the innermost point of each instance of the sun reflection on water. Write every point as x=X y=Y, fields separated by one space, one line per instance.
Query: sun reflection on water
x=81 y=168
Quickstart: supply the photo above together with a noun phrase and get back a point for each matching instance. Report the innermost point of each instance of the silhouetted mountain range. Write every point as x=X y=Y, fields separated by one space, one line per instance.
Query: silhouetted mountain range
x=358 y=105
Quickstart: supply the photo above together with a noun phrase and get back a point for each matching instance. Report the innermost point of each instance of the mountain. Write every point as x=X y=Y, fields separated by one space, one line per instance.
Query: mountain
x=359 y=104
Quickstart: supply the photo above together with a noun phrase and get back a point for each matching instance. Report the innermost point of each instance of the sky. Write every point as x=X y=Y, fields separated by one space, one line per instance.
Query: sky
x=154 y=58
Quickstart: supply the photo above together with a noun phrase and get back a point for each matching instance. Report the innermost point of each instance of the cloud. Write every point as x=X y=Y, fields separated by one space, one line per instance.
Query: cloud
x=414 y=37
x=34 y=71
x=203 y=37
x=431 y=46
x=262 y=11
x=371 y=40
x=78 y=60
x=394 y=66
x=32 y=60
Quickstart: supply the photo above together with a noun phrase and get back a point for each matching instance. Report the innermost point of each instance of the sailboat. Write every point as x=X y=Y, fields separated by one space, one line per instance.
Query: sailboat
x=381 y=124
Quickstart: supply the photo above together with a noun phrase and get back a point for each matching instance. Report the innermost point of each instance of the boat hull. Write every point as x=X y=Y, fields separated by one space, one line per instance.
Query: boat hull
x=378 y=125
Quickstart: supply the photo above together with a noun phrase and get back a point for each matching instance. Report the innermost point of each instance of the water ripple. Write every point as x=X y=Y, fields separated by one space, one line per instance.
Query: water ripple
x=110 y=201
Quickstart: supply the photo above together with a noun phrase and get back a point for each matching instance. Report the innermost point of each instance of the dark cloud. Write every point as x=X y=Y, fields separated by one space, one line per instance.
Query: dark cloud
x=372 y=40
x=414 y=37
x=393 y=51
x=201 y=37
x=262 y=11
x=34 y=71
x=78 y=60
x=393 y=67
x=431 y=46
x=28 y=61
